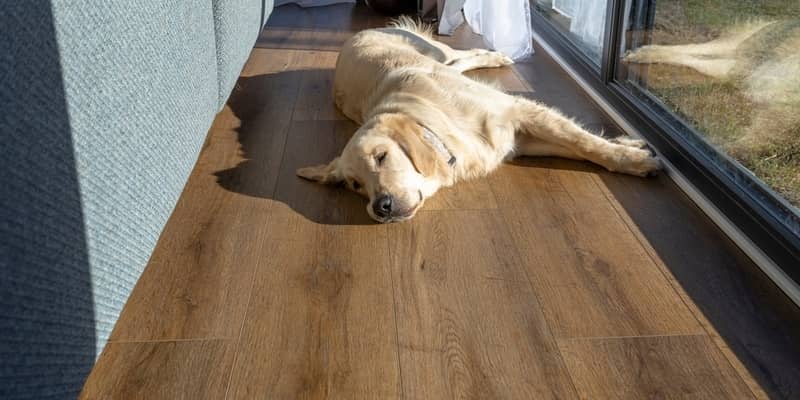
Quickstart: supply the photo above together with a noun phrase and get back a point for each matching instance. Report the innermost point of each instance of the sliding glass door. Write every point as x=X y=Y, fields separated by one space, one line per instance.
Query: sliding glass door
x=728 y=69
x=715 y=86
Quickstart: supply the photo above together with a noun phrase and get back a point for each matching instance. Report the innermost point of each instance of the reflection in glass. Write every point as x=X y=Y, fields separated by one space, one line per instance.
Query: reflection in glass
x=728 y=68
x=583 y=21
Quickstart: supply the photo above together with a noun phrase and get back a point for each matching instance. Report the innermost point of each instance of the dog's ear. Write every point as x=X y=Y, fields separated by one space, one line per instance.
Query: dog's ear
x=326 y=173
x=408 y=134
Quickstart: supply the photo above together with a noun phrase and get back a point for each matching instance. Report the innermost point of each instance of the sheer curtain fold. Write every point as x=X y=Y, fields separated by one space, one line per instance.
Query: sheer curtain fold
x=504 y=25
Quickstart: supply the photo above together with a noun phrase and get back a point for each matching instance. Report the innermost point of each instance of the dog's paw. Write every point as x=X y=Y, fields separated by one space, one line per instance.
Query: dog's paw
x=639 y=162
x=505 y=60
x=644 y=55
x=496 y=58
x=645 y=164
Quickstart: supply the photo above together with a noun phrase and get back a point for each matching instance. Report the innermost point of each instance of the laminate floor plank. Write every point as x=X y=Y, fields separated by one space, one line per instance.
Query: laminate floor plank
x=749 y=318
x=191 y=370
x=302 y=39
x=321 y=322
x=300 y=206
x=475 y=195
x=468 y=322
x=316 y=88
x=659 y=367
x=581 y=256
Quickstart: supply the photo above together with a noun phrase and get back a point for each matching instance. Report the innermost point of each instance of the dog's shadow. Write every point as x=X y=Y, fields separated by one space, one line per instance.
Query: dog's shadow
x=274 y=144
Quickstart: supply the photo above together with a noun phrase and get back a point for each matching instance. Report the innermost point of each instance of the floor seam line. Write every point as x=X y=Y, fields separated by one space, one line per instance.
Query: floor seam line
x=285 y=142
x=645 y=250
x=257 y=268
x=211 y=339
x=238 y=340
x=396 y=324
x=660 y=266
x=308 y=50
x=534 y=296
x=272 y=196
x=666 y=335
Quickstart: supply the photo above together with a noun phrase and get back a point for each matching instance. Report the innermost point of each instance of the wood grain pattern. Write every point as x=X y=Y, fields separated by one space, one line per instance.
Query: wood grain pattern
x=741 y=309
x=316 y=88
x=200 y=273
x=665 y=367
x=198 y=283
x=190 y=370
x=321 y=323
x=469 y=325
x=302 y=205
x=474 y=195
x=580 y=256
x=302 y=39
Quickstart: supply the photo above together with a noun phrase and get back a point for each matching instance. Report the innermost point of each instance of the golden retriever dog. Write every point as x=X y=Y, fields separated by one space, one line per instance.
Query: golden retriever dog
x=424 y=125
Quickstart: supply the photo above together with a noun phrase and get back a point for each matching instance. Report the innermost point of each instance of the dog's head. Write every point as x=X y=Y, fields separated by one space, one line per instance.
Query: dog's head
x=388 y=161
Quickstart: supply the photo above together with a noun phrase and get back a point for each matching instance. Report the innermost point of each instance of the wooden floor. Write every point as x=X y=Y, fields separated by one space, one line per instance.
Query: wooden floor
x=549 y=279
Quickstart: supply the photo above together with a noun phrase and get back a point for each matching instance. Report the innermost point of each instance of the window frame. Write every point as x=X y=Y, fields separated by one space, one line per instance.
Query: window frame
x=762 y=215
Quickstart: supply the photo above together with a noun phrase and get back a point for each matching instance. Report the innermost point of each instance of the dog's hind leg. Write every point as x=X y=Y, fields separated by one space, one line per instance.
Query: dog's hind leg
x=715 y=58
x=462 y=60
x=535 y=123
x=674 y=55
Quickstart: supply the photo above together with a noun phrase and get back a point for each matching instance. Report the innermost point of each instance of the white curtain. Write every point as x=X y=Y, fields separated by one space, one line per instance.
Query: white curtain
x=566 y=8
x=311 y=3
x=588 y=22
x=505 y=25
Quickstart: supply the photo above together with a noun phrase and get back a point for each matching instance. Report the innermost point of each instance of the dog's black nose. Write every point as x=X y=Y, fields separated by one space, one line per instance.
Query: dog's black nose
x=382 y=206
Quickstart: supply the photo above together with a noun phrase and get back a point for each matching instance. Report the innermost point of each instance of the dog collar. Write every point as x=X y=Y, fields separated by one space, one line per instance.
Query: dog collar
x=438 y=144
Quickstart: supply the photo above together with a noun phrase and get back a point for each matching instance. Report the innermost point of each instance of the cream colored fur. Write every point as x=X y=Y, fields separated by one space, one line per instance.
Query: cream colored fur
x=397 y=81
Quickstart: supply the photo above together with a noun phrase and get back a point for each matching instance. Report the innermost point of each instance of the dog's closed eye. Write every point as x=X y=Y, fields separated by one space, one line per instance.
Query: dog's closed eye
x=380 y=157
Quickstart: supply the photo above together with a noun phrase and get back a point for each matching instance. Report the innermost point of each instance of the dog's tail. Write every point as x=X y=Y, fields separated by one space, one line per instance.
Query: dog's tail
x=407 y=23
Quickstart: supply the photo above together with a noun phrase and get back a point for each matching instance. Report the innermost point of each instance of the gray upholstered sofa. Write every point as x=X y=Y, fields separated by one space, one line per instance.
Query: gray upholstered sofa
x=104 y=107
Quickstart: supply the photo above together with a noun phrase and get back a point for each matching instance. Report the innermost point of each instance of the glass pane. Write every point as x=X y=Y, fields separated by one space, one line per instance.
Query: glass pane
x=582 y=21
x=729 y=69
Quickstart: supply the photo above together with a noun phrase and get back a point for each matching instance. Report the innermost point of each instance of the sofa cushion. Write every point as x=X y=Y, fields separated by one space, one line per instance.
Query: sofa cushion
x=237 y=24
x=107 y=106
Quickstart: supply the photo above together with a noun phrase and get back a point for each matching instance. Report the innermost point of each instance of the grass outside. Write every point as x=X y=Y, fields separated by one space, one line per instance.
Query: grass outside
x=721 y=109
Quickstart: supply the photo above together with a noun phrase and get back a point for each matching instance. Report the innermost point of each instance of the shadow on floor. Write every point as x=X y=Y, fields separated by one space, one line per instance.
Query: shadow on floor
x=47 y=329
x=752 y=315
x=274 y=147
x=340 y=17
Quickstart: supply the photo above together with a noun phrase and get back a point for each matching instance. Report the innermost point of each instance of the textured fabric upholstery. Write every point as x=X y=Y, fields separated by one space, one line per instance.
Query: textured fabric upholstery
x=237 y=24
x=104 y=106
